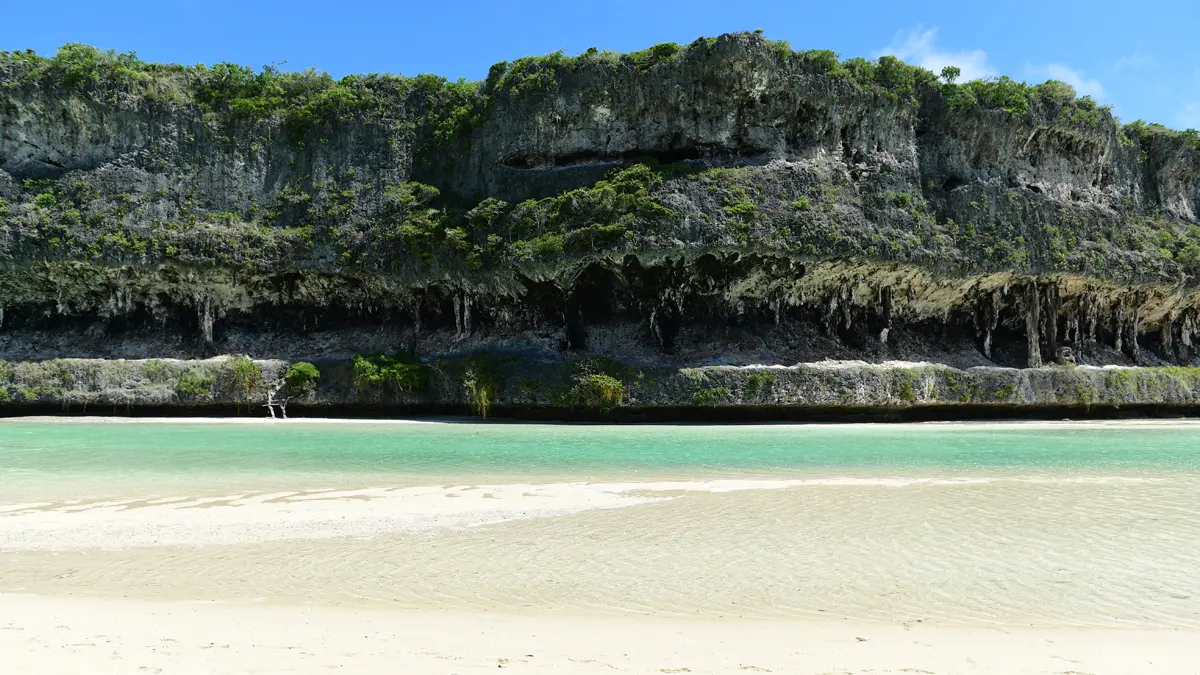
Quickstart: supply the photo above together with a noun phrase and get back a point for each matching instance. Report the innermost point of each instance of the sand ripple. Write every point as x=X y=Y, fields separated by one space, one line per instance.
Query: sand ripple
x=320 y=514
x=1042 y=549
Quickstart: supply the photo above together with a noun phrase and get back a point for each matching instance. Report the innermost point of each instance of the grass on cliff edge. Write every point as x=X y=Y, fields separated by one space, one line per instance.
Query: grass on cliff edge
x=305 y=99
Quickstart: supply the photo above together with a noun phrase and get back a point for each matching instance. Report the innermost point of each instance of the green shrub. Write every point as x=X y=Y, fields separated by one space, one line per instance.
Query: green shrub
x=711 y=397
x=599 y=365
x=624 y=200
x=156 y=371
x=901 y=78
x=599 y=391
x=743 y=209
x=958 y=97
x=366 y=373
x=593 y=238
x=480 y=380
x=660 y=53
x=1056 y=92
x=739 y=204
x=397 y=372
x=195 y=384
x=901 y=200
x=5 y=397
x=1147 y=133
x=821 y=61
x=907 y=382
x=526 y=75
x=480 y=392
x=1016 y=97
x=1001 y=92
x=759 y=382
x=246 y=375
x=301 y=378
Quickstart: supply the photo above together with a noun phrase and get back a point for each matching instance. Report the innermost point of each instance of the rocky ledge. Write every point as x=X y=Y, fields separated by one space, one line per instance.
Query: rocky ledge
x=593 y=388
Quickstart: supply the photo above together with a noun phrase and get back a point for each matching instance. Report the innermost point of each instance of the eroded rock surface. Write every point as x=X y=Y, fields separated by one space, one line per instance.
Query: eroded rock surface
x=727 y=203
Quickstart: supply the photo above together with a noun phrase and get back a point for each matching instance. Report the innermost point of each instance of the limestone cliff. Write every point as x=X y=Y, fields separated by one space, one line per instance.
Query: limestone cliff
x=725 y=203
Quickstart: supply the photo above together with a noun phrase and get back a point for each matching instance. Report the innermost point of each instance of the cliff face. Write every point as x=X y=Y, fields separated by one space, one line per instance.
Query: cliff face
x=729 y=202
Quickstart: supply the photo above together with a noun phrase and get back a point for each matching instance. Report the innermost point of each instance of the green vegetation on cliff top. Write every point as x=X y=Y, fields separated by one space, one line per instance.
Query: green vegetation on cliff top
x=347 y=222
x=306 y=98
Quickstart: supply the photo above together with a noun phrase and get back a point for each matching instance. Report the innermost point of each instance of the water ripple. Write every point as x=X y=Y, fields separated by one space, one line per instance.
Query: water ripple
x=1099 y=550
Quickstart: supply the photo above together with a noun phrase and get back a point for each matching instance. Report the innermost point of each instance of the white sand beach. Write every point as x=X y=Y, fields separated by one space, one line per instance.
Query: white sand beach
x=99 y=637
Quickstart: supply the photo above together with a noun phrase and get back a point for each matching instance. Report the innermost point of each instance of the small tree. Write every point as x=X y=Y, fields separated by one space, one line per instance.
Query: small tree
x=245 y=378
x=302 y=378
x=396 y=374
x=300 y=381
x=272 y=390
x=246 y=375
x=480 y=391
x=951 y=73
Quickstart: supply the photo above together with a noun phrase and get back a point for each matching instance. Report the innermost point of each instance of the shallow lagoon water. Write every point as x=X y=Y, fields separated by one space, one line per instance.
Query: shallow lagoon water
x=1091 y=525
x=143 y=451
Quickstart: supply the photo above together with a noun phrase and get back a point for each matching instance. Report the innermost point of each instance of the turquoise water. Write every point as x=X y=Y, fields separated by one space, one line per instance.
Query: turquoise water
x=29 y=449
x=1091 y=525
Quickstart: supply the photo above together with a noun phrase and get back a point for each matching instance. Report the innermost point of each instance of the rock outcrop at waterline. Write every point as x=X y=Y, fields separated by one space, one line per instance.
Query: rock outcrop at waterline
x=594 y=388
x=727 y=203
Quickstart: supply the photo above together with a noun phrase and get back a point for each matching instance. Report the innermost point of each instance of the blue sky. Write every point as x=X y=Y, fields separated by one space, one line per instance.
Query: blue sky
x=1141 y=58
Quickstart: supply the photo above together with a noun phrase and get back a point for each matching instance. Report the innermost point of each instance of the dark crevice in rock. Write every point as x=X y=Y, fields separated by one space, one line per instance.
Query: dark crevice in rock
x=681 y=154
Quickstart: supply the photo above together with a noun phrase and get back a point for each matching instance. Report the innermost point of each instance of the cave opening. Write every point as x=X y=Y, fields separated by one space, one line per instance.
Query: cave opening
x=437 y=309
x=543 y=300
x=951 y=183
x=1009 y=348
x=674 y=154
x=592 y=299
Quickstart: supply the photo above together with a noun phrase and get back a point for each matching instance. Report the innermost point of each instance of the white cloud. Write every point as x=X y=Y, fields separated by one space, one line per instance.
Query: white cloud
x=1137 y=60
x=1084 y=85
x=917 y=47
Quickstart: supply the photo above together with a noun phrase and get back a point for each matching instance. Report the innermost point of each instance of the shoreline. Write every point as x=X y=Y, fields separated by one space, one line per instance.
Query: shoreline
x=61 y=634
x=1181 y=423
